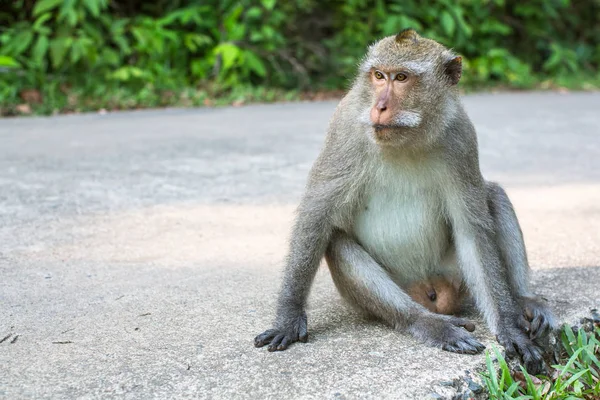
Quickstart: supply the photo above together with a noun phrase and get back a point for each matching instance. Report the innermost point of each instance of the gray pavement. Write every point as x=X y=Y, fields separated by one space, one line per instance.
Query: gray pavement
x=141 y=252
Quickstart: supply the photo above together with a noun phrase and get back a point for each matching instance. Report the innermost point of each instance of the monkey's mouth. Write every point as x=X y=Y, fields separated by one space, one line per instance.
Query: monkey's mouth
x=381 y=127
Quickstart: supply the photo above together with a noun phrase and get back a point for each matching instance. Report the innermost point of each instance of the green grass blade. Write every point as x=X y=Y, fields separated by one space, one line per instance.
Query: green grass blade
x=571 y=361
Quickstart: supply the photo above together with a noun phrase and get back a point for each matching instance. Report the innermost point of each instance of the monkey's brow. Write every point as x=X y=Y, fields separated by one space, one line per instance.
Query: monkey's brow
x=412 y=67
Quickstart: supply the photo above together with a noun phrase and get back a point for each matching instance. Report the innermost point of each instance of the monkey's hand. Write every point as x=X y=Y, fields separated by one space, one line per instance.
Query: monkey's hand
x=291 y=330
x=537 y=318
x=515 y=341
x=446 y=332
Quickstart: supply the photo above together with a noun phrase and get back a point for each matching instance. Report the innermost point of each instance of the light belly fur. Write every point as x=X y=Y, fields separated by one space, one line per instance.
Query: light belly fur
x=402 y=224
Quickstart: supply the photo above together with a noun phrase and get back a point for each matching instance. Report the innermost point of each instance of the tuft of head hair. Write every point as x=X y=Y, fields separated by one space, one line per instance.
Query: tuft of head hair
x=408 y=35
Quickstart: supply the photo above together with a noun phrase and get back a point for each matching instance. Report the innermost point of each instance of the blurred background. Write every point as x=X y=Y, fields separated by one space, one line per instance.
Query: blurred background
x=61 y=56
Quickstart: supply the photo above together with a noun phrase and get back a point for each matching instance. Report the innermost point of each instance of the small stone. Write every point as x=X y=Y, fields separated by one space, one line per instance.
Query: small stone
x=475 y=387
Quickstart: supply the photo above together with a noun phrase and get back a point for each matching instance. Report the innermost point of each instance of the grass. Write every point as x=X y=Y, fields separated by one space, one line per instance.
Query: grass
x=576 y=375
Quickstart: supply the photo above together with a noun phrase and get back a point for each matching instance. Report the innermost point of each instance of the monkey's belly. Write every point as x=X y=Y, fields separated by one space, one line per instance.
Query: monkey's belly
x=408 y=236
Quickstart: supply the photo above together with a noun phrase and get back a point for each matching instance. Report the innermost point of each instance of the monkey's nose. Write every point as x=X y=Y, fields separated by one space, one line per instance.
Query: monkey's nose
x=381 y=107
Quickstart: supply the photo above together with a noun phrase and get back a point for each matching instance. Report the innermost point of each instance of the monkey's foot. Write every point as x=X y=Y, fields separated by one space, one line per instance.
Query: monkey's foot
x=517 y=342
x=279 y=339
x=446 y=333
x=538 y=319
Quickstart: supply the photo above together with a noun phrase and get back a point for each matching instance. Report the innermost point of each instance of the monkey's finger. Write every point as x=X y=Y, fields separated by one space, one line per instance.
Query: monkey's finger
x=529 y=313
x=303 y=337
x=265 y=337
x=510 y=349
x=473 y=345
x=285 y=342
x=303 y=330
x=524 y=324
x=536 y=325
x=532 y=358
x=275 y=343
x=541 y=325
x=465 y=346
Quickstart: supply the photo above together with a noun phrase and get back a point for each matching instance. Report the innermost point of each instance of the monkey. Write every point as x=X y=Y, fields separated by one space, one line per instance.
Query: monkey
x=438 y=294
x=395 y=196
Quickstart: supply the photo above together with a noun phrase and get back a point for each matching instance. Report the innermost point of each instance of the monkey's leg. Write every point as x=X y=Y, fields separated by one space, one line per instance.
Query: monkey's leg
x=363 y=282
x=514 y=258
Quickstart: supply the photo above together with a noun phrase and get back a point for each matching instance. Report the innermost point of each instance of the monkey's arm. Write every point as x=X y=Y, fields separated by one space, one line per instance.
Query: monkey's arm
x=309 y=240
x=509 y=238
x=487 y=280
x=333 y=186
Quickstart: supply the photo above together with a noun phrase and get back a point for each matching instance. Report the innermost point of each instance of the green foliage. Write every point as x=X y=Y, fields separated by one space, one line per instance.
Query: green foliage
x=94 y=47
x=576 y=377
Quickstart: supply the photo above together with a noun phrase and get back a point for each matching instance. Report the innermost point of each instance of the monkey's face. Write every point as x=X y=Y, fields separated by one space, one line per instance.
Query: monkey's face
x=391 y=92
x=406 y=81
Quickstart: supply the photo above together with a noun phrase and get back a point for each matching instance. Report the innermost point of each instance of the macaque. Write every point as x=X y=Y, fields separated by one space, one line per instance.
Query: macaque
x=397 y=196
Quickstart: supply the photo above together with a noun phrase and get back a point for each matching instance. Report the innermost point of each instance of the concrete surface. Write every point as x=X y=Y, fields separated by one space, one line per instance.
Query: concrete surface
x=140 y=252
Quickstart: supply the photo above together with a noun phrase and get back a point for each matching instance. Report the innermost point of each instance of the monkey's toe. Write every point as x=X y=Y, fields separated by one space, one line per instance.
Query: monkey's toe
x=468 y=345
x=541 y=323
x=277 y=343
x=446 y=333
x=539 y=317
x=533 y=358
x=265 y=337
x=278 y=339
x=516 y=342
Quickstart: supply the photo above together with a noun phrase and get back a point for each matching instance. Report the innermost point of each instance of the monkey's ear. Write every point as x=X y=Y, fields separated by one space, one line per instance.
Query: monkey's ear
x=453 y=69
x=407 y=34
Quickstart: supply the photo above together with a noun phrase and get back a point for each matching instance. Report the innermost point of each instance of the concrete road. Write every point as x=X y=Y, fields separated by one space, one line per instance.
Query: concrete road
x=140 y=252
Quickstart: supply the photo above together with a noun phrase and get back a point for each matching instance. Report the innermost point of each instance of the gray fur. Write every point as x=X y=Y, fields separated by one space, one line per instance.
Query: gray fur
x=449 y=219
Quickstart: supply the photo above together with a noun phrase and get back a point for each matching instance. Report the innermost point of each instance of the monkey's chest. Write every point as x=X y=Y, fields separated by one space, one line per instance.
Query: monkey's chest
x=402 y=226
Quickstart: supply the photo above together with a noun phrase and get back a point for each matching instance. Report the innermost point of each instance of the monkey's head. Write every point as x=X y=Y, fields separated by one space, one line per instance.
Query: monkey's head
x=408 y=84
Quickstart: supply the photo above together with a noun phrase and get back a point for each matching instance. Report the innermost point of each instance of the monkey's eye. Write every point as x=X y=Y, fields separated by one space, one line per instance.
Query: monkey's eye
x=401 y=77
x=379 y=75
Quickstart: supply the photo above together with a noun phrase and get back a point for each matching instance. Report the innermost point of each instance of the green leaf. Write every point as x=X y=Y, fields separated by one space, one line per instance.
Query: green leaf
x=8 y=62
x=70 y=15
x=18 y=44
x=254 y=12
x=110 y=57
x=93 y=6
x=45 y=5
x=38 y=24
x=58 y=50
x=448 y=23
x=77 y=51
x=229 y=54
x=255 y=64
x=269 y=4
x=575 y=377
x=40 y=49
